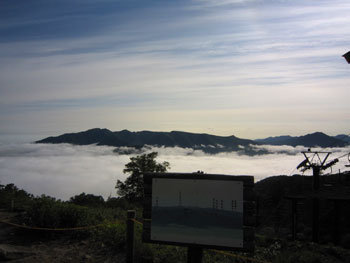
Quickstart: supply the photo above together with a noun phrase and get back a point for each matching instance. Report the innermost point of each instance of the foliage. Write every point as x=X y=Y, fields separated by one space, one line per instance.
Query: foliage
x=132 y=188
x=306 y=252
x=12 y=198
x=87 y=200
x=112 y=235
x=117 y=202
x=46 y=212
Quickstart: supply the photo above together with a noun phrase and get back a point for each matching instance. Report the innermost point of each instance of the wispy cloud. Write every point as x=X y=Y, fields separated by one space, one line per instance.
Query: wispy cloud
x=264 y=57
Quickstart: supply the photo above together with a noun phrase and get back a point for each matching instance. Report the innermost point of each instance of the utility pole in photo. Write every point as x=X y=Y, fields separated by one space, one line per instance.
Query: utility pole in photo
x=314 y=161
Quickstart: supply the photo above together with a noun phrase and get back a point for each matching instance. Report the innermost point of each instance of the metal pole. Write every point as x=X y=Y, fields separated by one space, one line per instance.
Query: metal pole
x=315 y=204
x=315 y=219
x=130 y=236
x=316 y=178
x=194 y=254
x=336 y=222
x=294 y=219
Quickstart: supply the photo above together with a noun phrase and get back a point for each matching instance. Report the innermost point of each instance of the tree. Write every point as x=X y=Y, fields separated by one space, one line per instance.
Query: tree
x=132 y=187
x=87 y=200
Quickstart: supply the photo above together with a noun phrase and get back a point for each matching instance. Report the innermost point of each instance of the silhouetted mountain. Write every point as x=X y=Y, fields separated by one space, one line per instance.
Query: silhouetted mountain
x=310 y=140
x=343 y=137
x=93 y=136
x=278 y=140
x=205 y=142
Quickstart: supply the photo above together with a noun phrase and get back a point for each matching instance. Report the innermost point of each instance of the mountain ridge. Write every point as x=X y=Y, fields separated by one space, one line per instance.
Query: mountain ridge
x=197 y=141
x=206 y=142
x=319 y=139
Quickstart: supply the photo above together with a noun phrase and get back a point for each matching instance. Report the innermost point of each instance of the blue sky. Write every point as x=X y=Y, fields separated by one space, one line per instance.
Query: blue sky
x=251 y=68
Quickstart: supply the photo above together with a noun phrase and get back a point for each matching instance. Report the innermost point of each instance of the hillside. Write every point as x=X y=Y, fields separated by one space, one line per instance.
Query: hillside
x=275 y=208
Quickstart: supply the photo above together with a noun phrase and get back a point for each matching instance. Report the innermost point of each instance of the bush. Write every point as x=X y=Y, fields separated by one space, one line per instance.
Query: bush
x=87 y=200
x=117 y=202
x=46 y=212
x=12 y=198
x=112 y=235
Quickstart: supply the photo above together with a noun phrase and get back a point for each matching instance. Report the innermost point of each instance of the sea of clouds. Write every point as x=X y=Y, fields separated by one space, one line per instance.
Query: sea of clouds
x=64 y=170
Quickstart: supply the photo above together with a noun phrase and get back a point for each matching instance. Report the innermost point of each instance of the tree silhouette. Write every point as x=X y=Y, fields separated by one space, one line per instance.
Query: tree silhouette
x=132 y=188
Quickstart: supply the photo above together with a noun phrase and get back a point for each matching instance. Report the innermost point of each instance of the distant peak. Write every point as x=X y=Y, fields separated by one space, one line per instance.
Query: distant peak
x=316 y=133
x=125 y=130
x=98 y=129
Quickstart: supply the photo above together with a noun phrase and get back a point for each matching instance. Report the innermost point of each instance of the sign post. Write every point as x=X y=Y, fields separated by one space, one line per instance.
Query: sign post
x=194 y=254
x=130 y=236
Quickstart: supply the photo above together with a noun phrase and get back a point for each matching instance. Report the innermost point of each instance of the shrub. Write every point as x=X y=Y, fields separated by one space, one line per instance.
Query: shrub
x=12 y=198
x=87 y=200
x=48 y=213
x=112 y=235
x=117 y=202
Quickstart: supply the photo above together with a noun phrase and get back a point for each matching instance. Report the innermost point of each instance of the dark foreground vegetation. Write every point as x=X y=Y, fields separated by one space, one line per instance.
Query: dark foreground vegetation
x=107 y=241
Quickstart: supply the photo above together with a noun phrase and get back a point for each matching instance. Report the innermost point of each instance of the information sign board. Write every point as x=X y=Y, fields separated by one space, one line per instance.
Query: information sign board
x=199 y=209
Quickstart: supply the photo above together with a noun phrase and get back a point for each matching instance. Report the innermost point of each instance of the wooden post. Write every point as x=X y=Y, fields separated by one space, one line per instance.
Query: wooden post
x=130 y=236
x=294 y=219
x=194 y=254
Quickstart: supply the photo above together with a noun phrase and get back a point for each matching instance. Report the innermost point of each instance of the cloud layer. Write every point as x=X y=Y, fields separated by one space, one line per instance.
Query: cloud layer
x=64 y=170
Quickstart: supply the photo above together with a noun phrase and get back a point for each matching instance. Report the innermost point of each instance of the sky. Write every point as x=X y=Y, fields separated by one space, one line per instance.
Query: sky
x=249 y=68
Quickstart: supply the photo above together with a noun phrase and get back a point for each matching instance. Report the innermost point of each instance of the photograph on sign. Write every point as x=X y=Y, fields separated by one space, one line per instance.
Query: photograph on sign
x=203 y=212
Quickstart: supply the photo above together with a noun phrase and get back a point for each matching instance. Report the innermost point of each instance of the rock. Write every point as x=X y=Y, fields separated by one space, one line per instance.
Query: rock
x=10 y=252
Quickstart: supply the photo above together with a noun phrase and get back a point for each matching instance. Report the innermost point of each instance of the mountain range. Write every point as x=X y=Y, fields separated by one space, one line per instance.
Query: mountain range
x=205 y=142
x=310 y=140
